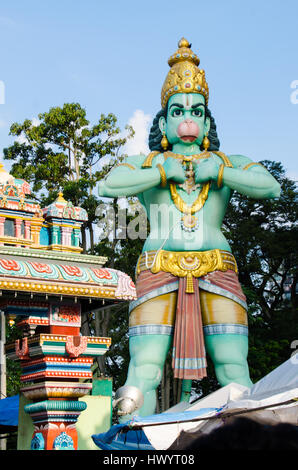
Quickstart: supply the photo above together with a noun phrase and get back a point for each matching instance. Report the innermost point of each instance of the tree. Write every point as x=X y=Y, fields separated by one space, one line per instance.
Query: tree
x=13 y=368
x=62 y=151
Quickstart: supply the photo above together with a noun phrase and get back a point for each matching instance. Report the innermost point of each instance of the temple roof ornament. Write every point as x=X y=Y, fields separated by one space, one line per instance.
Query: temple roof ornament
x=65 y=209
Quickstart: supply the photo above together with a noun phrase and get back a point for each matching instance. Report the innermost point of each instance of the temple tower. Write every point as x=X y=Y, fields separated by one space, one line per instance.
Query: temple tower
x=46 y=284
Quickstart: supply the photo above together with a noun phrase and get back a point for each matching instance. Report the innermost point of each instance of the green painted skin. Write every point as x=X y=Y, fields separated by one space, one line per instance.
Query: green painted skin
x=228 y=352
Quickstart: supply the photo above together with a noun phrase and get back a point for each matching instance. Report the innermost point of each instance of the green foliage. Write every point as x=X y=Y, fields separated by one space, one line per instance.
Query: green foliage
x=63 y=152
x=13 y=368
x=63 y=147
x=13 y=374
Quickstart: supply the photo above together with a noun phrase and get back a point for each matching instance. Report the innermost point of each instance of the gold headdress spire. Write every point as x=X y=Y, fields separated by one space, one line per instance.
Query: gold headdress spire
x=184 y=76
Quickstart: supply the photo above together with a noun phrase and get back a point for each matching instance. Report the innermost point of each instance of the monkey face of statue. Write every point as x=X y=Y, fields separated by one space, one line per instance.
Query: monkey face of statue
x=186 y=121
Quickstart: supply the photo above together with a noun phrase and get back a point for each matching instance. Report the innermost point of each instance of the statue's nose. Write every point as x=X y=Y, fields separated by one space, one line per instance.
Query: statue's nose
x=188 y=121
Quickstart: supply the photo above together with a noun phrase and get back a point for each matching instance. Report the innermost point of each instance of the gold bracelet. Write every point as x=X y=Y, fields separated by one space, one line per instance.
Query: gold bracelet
x=220 y=175
x=163 y=176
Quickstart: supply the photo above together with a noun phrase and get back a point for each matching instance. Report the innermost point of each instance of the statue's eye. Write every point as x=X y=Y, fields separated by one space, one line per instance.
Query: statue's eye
x=197 y=112
x=177 y=112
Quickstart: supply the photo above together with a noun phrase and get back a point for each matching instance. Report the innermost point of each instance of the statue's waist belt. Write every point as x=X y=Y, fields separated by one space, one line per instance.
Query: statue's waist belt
x=187 y=264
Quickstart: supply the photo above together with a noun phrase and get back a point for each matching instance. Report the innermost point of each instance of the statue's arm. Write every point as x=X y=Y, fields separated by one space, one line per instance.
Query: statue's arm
x=250 y=179
x=129 y=179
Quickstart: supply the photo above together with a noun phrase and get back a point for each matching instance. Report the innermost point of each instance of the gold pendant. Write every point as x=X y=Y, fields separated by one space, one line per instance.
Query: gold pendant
x=189 y=223
x=189 y=184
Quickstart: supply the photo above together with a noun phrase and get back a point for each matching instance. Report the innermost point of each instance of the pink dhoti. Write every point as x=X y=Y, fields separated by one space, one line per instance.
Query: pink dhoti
x=217 y=305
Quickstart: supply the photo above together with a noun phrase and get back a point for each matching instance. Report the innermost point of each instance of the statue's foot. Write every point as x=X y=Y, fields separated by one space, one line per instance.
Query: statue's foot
x=128 y=399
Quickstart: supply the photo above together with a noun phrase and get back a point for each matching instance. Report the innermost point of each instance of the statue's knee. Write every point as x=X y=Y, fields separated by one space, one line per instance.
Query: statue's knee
x=227 y=349
x=149 y=372
x=146 y=349
x=234 y=371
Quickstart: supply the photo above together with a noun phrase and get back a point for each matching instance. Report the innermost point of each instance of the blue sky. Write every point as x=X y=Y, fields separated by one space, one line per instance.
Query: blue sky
x=112 y=57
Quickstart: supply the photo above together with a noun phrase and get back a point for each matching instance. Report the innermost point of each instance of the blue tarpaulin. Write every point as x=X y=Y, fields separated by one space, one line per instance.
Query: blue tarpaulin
x=124 y=437
x=9 y=411
x=116 y=439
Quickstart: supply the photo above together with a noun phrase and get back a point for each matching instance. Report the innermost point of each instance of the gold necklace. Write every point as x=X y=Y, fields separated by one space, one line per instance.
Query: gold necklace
x=187 y=158
x=189 y=222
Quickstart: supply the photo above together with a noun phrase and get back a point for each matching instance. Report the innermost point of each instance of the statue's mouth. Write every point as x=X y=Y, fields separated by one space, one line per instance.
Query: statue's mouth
x=188 y=138
x=188 y=131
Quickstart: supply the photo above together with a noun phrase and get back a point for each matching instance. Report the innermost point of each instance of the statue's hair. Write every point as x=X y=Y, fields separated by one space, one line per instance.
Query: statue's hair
x=155 y=134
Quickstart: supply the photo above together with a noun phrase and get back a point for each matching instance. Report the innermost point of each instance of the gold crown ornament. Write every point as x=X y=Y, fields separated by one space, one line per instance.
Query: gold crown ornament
x=185 y=75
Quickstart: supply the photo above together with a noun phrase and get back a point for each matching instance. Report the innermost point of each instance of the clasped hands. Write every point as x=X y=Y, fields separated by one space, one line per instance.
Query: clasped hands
x=206 y=170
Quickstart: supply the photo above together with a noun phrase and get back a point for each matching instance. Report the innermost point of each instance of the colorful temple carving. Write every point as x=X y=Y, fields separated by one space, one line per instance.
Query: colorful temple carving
x=46 y=285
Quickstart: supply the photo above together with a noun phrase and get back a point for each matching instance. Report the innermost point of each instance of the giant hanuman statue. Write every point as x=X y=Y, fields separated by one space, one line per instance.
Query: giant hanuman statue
x=187 y=284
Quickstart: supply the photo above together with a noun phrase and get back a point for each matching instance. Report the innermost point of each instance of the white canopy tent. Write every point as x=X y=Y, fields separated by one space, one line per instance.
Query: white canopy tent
x=272 y=399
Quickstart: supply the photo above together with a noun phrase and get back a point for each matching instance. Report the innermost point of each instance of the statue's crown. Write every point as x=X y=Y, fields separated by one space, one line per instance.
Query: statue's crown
x=184 y=76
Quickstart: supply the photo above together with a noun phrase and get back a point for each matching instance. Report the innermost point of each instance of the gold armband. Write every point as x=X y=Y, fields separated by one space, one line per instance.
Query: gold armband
x=220 y=175
x=148 y=160
x=127 y=165
x=249 y=165
x=163 y=176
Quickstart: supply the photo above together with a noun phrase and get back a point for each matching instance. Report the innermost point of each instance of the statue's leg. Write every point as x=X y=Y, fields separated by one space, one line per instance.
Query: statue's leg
x=226 y=338
x=151 y=331
x=148 y=354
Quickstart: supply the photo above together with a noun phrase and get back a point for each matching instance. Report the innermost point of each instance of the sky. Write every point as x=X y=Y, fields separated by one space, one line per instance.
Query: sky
x=112 y=57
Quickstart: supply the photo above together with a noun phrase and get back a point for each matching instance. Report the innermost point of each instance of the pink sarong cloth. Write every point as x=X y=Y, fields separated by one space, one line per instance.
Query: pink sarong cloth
x=189 y=355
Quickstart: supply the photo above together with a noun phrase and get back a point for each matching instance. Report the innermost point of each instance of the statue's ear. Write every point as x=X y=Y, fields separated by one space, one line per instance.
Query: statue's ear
x=207 y=125
x=162 y=124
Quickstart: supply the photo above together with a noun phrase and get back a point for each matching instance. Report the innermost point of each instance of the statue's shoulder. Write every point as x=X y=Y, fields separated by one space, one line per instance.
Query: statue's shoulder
x=152 y=159
x=234 y=161
x=132 y=161
x=242 y=162
x=223 y=157
x=238 y=161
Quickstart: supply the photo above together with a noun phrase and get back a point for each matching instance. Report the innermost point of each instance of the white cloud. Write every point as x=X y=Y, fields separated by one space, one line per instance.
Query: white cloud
x=5 y=21
x=21 y=139
x=2 y=123
x=2 y=92
x=140 y=123
x=35 y=122
x=139 y=143
x=292 y=174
